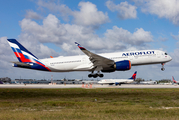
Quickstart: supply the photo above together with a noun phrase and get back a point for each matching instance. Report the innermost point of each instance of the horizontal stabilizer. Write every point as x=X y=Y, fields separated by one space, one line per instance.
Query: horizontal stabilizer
x=22 y=65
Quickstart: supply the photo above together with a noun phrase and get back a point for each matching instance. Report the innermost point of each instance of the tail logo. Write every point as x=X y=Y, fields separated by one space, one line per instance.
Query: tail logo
x=174 y=80
x=23 y=55
x=134 y=75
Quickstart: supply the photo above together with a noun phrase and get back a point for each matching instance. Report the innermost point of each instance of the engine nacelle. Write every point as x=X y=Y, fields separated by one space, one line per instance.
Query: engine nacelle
x=116 y=83
x=122 y=65
x=119 y=66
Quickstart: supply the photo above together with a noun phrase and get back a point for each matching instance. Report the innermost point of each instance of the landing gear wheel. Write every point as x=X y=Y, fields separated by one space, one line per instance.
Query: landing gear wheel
x=101 y=75
x=95 y=75
x=162 y=69
x=90 y=75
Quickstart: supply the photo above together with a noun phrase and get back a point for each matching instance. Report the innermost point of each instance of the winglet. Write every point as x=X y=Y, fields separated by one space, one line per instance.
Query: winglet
x=82 y=48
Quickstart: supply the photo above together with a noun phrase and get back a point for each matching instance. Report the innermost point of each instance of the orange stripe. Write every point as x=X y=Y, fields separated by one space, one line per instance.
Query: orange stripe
x=129 y=64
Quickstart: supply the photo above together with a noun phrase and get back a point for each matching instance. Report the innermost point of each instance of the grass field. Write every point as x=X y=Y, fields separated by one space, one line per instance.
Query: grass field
x=88 y=104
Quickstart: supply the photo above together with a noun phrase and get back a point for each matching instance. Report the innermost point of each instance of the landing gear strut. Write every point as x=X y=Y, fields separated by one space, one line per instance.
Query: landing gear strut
x=162 y=67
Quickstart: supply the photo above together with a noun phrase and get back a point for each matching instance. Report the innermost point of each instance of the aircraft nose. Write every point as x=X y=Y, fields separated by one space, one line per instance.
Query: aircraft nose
x=170 y=58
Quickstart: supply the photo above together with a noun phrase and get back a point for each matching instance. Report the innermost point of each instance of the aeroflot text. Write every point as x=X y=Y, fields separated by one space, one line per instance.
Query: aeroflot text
x=138 y=53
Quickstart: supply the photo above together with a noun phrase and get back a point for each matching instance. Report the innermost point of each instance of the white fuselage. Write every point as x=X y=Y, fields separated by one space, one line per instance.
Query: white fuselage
x=148 y=82
x=82 y=62
x=113 y=81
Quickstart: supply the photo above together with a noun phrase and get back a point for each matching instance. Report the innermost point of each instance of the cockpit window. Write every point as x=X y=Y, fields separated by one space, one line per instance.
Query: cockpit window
x=165 y=53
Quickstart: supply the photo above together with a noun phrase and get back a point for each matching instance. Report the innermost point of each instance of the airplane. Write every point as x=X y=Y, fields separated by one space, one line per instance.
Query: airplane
x=107 y=62
x=174 y=81
x=119 y=81
x=148 y=82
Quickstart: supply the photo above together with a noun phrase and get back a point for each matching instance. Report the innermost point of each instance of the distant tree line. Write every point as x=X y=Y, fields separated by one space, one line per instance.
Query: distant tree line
x=165 y=81
x=138 y=80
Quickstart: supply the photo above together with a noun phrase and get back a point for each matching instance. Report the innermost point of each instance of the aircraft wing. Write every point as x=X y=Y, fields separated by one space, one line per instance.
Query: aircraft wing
x=99 y=62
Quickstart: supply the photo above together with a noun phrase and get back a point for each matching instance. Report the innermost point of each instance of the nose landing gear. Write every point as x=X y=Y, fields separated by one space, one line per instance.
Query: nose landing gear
x=162 y=67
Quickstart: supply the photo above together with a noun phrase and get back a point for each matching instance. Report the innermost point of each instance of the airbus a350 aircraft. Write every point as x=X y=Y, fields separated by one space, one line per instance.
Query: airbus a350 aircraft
x=108 y=62
x=119 y=81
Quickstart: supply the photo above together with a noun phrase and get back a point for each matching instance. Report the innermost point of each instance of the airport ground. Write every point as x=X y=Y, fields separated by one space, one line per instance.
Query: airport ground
x=77 y=103
x=86 y=86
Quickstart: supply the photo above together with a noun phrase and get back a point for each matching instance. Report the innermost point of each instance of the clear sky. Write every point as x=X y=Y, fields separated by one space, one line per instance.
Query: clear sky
x=50 y=28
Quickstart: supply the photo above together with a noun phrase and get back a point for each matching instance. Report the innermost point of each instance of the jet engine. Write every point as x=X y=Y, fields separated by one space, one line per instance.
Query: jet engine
x=122 y=65
x=119 y=66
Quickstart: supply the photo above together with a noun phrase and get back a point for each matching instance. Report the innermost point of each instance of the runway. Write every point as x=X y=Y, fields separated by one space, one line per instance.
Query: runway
x=46 y=86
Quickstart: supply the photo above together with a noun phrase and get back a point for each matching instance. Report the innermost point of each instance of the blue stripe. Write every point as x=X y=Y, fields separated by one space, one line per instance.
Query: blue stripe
x=19 y=59
x=14 y=50
x=39 y=62
x=38 y=67
x=18 y=50
x=26 y=56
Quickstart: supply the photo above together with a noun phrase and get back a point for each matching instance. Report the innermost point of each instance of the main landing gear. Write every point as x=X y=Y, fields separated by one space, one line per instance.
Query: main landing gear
x=95 y=75
x=162 y=67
